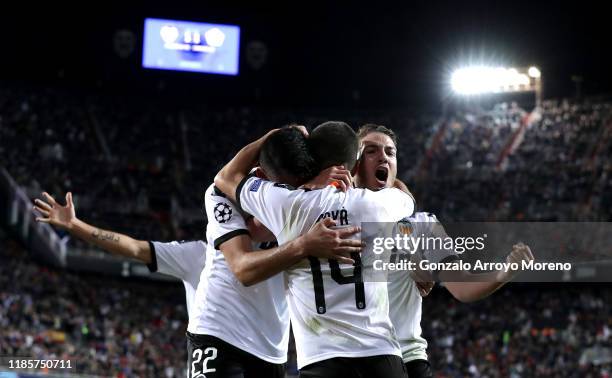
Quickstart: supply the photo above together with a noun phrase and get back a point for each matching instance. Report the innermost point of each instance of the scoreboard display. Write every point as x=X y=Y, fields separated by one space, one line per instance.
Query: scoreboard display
x=191 y=46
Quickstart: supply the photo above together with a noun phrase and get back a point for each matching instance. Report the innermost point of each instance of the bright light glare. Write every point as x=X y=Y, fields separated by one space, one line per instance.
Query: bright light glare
x=534 y=72
x=482 y=79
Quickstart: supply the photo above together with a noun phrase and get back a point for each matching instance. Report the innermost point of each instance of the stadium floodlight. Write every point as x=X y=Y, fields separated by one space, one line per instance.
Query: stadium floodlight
x=481 y=80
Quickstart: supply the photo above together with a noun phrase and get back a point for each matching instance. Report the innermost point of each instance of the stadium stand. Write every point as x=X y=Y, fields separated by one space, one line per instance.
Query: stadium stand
x=140 y=169
x=553 y=330
x=104 y=325
x=143 y=167
x=128 y=328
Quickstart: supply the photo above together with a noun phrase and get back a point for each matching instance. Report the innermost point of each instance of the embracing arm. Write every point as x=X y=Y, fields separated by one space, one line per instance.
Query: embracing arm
x=251 y=267
x=65 y=217
x=230 y=176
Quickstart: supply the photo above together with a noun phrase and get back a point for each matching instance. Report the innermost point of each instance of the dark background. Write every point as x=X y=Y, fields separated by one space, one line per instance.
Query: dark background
x=318 y=54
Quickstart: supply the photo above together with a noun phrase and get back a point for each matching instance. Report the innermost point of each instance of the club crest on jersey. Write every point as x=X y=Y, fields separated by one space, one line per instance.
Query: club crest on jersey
x=255 y=186
x=404 y=226
x=223 y=212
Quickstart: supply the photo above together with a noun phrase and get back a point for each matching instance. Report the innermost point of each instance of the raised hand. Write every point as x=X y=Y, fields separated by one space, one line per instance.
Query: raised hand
x=520 y=252
x=54 y=213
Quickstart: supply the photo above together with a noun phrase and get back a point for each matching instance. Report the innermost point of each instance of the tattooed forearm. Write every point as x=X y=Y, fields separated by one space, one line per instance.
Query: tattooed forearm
x=104 y=235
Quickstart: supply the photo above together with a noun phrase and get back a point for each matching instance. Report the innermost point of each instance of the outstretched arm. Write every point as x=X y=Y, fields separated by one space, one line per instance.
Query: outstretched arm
x=65 y=217
x=485 y=284
x=251 y=267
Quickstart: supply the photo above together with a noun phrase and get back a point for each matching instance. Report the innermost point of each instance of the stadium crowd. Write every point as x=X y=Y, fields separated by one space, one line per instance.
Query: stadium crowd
x=558 y=170
x=140 y=168
x=522 y=331
x=103 y=325
x=128 y=328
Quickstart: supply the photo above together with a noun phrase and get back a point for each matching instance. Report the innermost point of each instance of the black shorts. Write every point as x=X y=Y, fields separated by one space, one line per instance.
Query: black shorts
x=419 y=369
x=386 y=366
x=212 y=357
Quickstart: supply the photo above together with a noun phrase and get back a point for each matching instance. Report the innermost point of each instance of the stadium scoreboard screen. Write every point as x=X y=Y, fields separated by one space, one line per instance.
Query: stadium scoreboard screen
x=191 y=46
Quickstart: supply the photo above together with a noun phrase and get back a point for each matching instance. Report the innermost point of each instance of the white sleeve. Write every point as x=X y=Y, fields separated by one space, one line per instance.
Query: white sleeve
x=431 y=227
x=177 y=259
x=266 y=201
x=224 y=220
x=399 y=204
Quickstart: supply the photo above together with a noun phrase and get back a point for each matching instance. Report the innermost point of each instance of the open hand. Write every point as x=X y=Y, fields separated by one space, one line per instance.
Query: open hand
x=54 y=213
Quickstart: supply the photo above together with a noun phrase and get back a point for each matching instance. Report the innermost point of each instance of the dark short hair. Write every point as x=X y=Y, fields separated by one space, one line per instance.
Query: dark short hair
x=369 y=128
x=334 y=143
x=286 y=153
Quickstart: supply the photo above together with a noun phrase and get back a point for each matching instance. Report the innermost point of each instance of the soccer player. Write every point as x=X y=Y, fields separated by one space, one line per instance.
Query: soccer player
x=240 y=325
x=341 y=323
x=186 y=262
x=378 y=169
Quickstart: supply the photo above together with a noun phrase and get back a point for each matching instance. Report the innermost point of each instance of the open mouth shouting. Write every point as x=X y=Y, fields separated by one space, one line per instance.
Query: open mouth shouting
x=382 y=174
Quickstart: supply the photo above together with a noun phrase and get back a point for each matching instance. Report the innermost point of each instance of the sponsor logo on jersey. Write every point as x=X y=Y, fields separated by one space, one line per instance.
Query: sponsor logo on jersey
x=223 y=212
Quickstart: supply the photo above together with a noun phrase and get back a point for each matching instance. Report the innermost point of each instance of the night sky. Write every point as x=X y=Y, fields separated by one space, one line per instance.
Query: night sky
x=321 y=54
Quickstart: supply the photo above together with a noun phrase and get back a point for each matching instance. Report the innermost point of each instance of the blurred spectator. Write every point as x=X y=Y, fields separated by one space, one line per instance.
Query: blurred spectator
x=104 y=325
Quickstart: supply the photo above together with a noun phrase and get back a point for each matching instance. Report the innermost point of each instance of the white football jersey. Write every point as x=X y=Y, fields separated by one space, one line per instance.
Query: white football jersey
x=255 y=318
x=333 y=312
x=405 y=302
x=183 y=260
